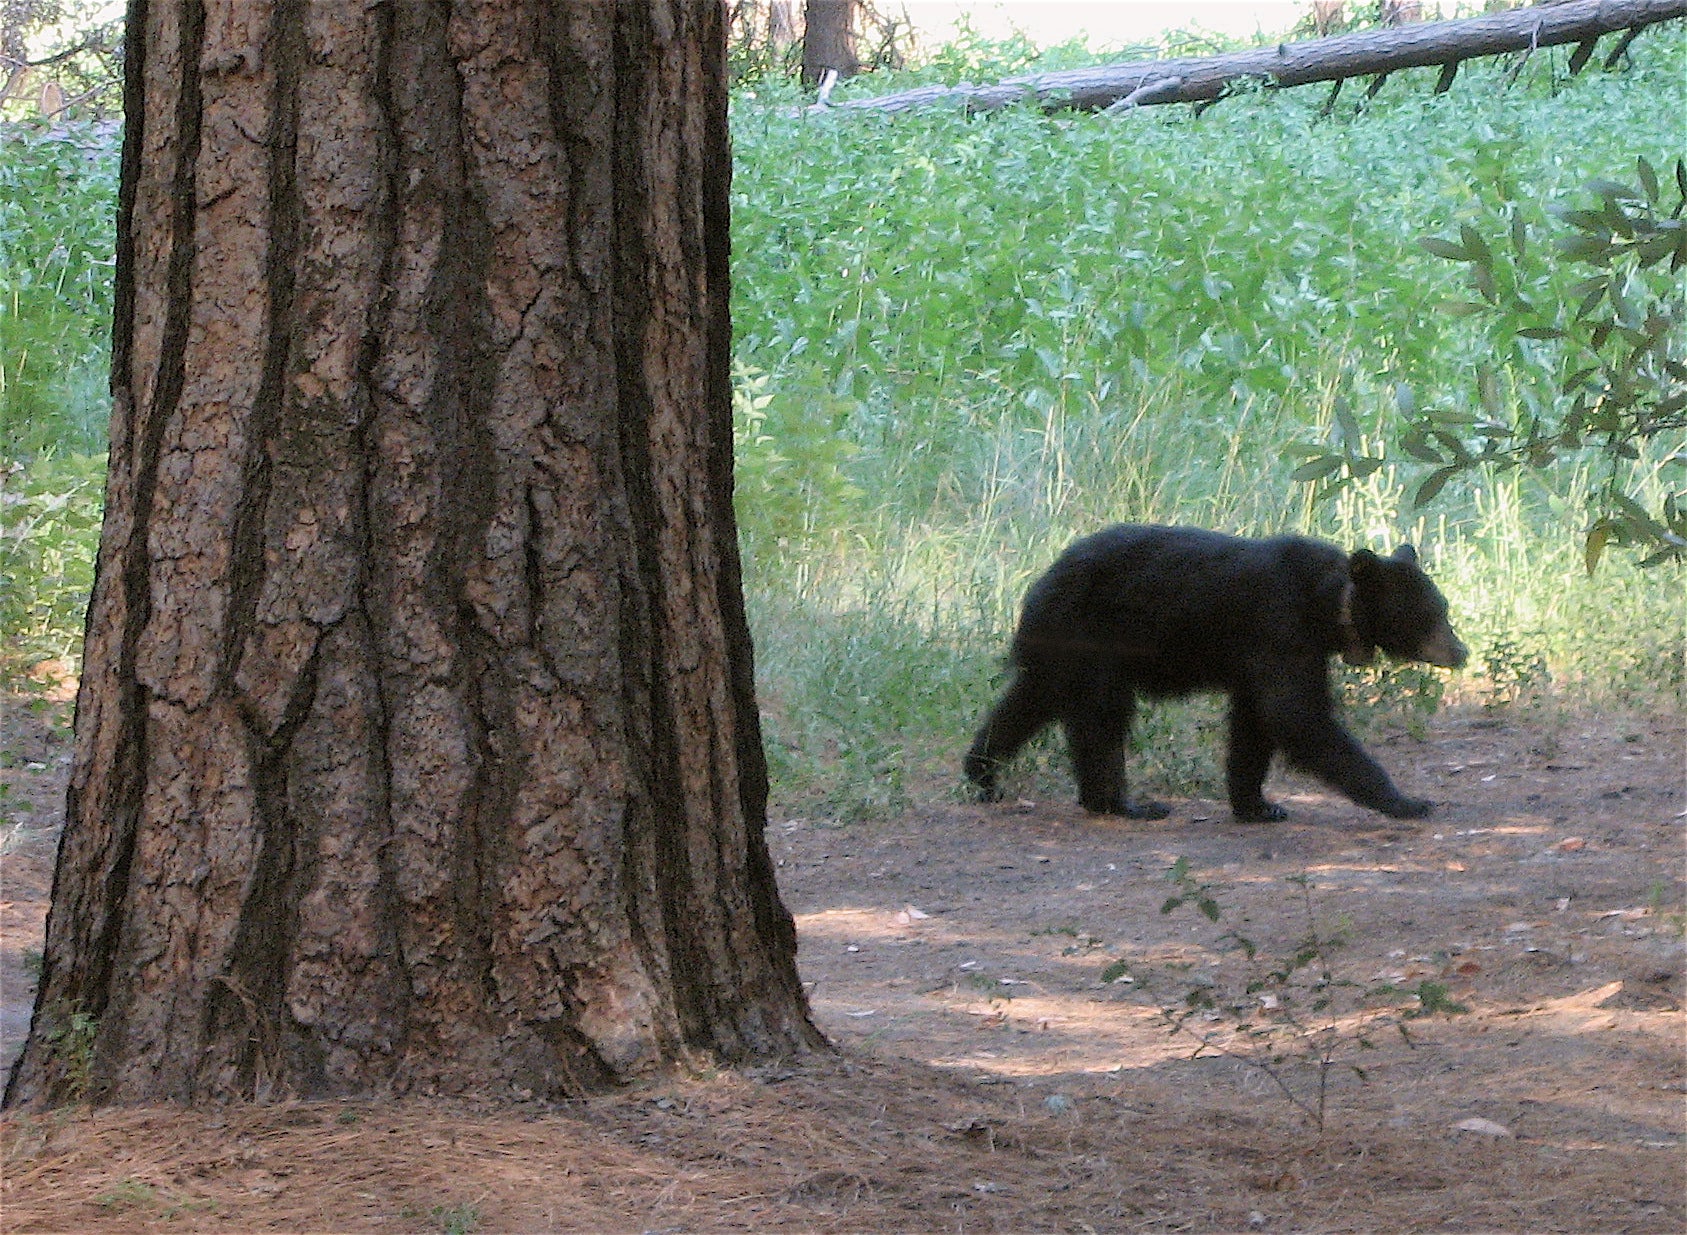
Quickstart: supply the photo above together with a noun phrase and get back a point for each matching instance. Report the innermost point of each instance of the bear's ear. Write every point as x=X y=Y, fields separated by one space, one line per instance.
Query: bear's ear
x=1407 y=555
x=1354 y=648
x=1362 y=563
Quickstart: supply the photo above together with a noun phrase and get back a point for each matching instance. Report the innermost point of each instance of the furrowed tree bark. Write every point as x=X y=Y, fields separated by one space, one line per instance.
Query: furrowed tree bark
x=416 y=749
x=1204 y=78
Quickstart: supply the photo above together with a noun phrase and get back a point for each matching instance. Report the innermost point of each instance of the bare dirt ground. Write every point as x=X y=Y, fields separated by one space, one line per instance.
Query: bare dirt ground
x=988 y=1078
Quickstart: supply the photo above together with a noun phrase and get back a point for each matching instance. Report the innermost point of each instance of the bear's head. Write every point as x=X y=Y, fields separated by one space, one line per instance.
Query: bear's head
x=1389 y=603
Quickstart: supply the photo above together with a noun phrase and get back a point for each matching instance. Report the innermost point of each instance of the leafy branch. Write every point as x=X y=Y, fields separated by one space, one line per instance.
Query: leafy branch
x=1287 y=1010
x=1611 y=349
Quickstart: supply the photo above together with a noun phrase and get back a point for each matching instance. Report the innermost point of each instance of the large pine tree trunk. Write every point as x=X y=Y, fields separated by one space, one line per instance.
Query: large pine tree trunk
x=417 y=747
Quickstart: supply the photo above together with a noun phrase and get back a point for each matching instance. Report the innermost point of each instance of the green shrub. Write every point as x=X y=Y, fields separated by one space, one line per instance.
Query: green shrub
x=49 y=535
x=791 y=478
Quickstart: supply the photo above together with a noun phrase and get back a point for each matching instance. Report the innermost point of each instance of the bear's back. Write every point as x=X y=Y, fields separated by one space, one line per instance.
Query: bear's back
x=1176 y=608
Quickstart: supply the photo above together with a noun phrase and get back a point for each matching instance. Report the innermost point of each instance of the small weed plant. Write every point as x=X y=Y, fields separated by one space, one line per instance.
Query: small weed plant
x=126 y=1194
x=1290 y=1015
x=447 y=1219
x=70 y=1041
x=455 y=1219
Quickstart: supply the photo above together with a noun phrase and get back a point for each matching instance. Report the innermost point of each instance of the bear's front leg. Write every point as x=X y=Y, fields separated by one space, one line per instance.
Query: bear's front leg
x=1334 y=755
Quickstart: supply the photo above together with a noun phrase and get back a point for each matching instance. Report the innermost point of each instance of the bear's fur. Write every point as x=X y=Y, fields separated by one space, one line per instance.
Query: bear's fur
x=1165 y=611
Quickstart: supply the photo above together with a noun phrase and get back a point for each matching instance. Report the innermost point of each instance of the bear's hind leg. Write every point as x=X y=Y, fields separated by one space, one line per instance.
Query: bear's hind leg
x=1014 y=721
x=1096 y=734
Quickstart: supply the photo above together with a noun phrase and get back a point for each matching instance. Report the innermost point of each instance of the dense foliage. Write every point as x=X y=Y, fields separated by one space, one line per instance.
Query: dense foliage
x=58 y=196
x=962 y=340
x=58 y=192
x=975 y=337
x=972 y=298
x=1597 y=367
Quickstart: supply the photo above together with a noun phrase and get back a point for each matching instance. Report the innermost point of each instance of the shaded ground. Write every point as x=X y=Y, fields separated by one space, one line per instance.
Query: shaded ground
x=989 y=1079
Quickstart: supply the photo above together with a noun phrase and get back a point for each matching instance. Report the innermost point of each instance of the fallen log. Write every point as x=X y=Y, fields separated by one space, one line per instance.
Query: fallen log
x=1365 y=53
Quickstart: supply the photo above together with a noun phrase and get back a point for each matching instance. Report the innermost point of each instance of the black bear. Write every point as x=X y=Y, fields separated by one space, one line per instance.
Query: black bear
x=1170 y=610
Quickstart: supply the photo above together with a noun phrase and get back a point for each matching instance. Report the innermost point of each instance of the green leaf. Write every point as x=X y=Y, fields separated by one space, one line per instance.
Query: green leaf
x=1577 y=379
x=1591 y=301
x=1648 y=179
x=1583 y=248
x=1638 y=516
x=1345 y=424
x=1475 y=245
x=1417 y=446
x=1316 y=469
x=1655 y=249
x=1488 y=388
x=1444 y=248
x=1598 y=536
x=1483 y=277
x=1432 y=484
x=1613 y=191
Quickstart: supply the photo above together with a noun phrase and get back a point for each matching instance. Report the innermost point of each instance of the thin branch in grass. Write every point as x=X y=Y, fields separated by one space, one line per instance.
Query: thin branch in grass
x=1286 y=1009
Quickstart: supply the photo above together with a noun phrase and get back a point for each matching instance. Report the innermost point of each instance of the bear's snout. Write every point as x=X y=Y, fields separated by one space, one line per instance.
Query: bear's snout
x=1442 y=647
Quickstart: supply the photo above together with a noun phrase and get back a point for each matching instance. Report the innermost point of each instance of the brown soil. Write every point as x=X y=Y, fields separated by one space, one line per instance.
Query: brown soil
x=988 y=1079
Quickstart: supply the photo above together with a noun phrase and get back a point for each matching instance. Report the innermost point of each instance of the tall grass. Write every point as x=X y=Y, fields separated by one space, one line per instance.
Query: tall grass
x=1023 y=326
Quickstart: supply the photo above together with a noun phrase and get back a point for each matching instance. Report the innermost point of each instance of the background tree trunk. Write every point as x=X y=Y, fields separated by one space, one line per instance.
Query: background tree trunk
x=416 y=748
x=782 y=26
x=828 y=39
x=1361 y=54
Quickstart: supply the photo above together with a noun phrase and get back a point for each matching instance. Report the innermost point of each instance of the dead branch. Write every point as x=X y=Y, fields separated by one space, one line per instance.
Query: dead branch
x=1362 y=54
